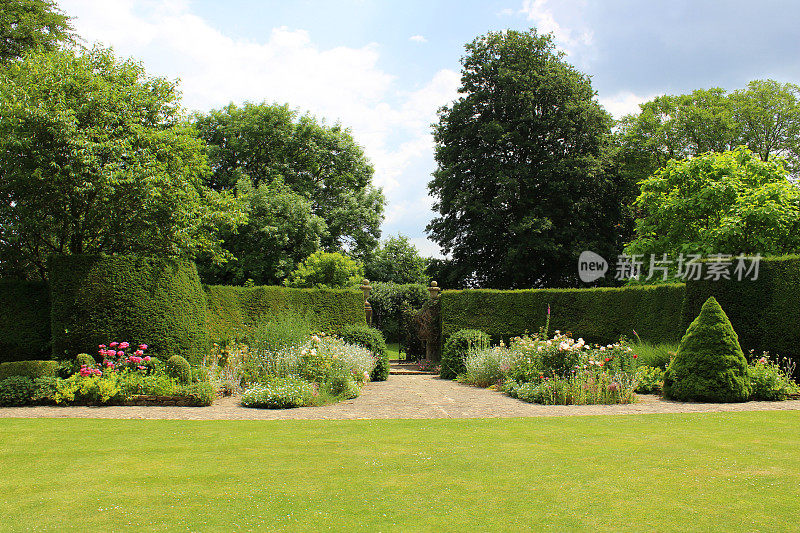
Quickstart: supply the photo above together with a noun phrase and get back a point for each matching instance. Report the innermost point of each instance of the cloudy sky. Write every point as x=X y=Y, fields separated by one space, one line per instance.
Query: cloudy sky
x=382 y=68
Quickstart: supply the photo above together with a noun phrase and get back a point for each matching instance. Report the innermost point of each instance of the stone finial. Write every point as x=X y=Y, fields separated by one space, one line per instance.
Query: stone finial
x=434 y=290
x=365 y=288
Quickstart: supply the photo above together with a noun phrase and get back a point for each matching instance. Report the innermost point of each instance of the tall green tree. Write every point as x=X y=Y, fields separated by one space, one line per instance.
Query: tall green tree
x=729 y=203
x=263 y=142
x=96 y=157
x=396 y=260
x=326 y=270
x=520 y=185
x=281 y=231
x=32 y=25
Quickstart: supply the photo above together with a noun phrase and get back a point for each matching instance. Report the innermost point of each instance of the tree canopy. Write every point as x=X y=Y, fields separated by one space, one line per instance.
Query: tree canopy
x=27 y=25
x=520 y=186
x=396 y=260
x=263 y=142
x=325 y=270
x=96 y=157
x=727 y=203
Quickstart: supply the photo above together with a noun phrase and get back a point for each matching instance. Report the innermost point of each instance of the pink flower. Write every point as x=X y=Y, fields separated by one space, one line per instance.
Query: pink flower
x=114 y=344
x=124 y=345
x=147 y=358
x=142 y=346
x=102 y=346
x=139 y=352
x=140 y=367
x=120 y=353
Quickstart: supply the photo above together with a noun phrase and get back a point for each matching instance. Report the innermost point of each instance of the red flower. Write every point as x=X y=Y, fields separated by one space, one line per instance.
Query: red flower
x=608 y=359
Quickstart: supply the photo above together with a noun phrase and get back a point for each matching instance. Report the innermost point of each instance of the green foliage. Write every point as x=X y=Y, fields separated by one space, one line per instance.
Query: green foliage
x=96 y=157
x=273 y=333
x=763 y=312
x=263 y=142
x=83 y=359
x=604 y=389
x=324 y=270
x=280 y=393
x=280 y=232
x=729 y=203
x=519 y=186
x=24 y=319
x=200 y=394
x=158 y=302
x=709 y=365
x=32 y=25
x=231 y=310
x=770 y=381
x=30 y=369
x=396 y=260
x=179 y=368
x=486 y=367
x=387 y=301
x=90 y=390
x=601 y=315
x=653 y=354
x=16 y=390
x=649 y=379
x=456 y=348
x=372 y=340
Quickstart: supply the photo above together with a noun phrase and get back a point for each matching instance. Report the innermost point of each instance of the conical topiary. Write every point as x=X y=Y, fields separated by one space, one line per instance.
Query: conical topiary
x=709 y=365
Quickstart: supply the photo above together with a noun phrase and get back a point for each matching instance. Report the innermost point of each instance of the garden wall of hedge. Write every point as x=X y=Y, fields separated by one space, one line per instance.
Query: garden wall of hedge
x=98 y=299
x=765 y=313
x=232 y=308
x=24 y=320
x=598 y=315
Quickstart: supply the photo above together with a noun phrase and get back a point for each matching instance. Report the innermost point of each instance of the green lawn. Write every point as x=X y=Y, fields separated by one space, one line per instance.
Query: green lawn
x=722 y=472
x=394 y=350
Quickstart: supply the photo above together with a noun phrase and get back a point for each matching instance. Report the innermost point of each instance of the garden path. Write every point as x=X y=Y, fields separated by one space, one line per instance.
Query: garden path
x=409 y=396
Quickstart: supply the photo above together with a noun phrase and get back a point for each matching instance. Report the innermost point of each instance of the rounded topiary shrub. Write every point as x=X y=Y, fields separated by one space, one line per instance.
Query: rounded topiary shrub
x=83 y=359
x=709 y=365
x=455 y=350
x=372 y=340
x=179 y=368
x=97 y=299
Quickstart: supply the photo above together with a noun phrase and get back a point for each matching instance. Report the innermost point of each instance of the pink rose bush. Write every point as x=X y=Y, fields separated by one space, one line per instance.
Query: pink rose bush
x=119 y=356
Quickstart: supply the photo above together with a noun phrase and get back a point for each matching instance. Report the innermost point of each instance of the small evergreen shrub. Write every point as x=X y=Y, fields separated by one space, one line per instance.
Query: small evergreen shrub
x=280 y=393
x=456 y=349
x=709 y=365
x=179 y=368
x=29 y=369
x=83 y=359
x=372 y=340
x=16 y=390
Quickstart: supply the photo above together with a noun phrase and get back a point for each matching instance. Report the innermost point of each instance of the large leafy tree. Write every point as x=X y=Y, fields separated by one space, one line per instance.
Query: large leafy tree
x=728 y=203
x=31 y=25
x=326 y=270
x=520 y=185
x=765 y=117
x=396 y=260
x=95 y=156
x=322 y=163
x=280 y=232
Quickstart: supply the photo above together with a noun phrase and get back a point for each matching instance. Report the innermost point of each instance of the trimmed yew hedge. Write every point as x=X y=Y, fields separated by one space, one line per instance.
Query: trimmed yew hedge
x=98 y=299
x=230 y=309
x=765 y=313
x=24 y=320
x=598 y=315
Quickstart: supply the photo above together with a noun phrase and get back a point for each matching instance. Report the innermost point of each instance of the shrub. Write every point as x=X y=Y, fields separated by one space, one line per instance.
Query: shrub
x=372 y=340
x=709 y=365
x=232 y=310
x=456 y=349
x=770 y=381
x=649 y=379
x=280 y=393
x=179 y=368
x=487 y=367
x=24 y=320
x=602 y=315
x=90 y=390
x=158 y=301
x=16 y=390
x=45 y=390
x=135 y=384
x=326 y=270
x=30 y=369
x=82 y=359
x=656 y=355
x=199 y=394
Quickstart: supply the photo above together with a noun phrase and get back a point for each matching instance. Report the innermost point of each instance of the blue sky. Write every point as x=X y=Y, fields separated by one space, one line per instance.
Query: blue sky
x=382 y=68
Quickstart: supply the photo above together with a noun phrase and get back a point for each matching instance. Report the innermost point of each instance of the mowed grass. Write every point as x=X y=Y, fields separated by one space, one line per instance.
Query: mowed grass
x=697 y=472
x=393 y=348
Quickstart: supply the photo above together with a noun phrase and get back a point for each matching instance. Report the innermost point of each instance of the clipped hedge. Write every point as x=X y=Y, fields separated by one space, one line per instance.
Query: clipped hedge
x=97 y=299
x=24 y=320
x=230 y=309
x=29 y=369
x=765 y=313
x=598 y=315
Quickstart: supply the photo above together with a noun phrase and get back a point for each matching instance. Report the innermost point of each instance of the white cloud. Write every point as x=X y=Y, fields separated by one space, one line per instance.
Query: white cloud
x=418 y=39
x=338 y=84
x=624 y=103
x=542 y=15
x=427 y=249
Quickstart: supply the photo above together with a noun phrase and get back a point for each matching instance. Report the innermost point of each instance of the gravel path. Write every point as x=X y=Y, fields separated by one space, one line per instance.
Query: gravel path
x=421 y=396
